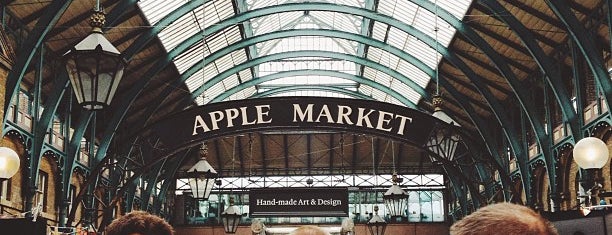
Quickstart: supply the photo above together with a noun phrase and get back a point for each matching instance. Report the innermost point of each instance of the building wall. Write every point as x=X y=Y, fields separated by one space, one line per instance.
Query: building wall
x=392 y=229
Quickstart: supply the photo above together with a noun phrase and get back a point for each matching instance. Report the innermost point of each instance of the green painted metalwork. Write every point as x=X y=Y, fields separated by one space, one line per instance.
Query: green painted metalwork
x=247 y=29
x=285 y=55
x=112 y=18
x=71 y=153
x=342 y=91
x=366 y=28
x=135 y=90
x=586 y=45
x=171 y=171
x=552 y=77
x=318 y=72
x=151 y=179
x=335 y=34
x=27 y=51
x=484 y=132
x=146 y=36
x=34 y=40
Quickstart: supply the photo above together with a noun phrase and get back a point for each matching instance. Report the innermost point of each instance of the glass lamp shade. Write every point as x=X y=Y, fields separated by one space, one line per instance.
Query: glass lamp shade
x=442 y=141
x=201 y=179
x=591 y=153
x=231 y=217
x=95 y=68
x=395 y=199
x=443 y=144
x=9 y=163
x=377 y=225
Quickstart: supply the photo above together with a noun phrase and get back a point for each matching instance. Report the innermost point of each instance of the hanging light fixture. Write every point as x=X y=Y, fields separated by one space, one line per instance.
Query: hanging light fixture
x=377 y=225
x=591 y=153
x=395 y=198
x=231 y=216
x=9 y=163
x=442 y=141
x=95 y=67
x=202 y=176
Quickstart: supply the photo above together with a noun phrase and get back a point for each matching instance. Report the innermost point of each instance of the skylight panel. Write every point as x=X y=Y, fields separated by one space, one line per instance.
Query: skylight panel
x=189 y=58
x=312 y=93
x=401 y=10
x=338 y=21
x=181 y=29
x=274 y=22
x=155 y=10
x=243 y=94
x=216 y=11
x=195 y=81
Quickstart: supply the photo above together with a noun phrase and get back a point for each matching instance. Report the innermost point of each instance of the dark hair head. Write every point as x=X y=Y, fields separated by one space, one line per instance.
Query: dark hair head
x=139 y=222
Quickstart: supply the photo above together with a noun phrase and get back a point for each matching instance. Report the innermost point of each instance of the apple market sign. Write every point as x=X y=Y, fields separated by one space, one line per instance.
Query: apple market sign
x=301 y=113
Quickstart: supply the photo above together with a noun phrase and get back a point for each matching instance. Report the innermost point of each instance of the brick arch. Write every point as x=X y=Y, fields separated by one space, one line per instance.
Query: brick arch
x=540 y=184
x=49 y=165
x=519 y=194
x=603 y=131
x=78 y=180
x=565 y=176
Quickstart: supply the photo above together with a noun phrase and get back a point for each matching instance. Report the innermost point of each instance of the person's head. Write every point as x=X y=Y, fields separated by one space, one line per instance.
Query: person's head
x=309 y=230
x=139 y=223
x=503 y=218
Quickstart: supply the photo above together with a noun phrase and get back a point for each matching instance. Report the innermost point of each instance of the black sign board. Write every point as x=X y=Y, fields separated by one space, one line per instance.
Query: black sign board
x=297 y=202
x=360 y=116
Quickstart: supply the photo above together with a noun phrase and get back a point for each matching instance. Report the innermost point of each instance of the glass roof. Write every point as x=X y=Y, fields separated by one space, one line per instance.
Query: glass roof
x=347 y=78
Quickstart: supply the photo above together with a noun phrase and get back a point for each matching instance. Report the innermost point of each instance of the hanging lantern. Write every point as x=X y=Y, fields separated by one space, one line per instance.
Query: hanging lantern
x=377 y=225
x=95 y=67
x=395 y=198
x=443 y=142
x=202 y=176
x=231 y=217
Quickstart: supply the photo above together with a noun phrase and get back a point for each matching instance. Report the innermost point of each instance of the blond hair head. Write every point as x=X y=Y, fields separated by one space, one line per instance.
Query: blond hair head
x=503 y=218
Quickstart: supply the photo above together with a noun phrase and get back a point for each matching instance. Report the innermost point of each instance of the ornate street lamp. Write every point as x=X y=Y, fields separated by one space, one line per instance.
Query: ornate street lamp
x=395 y=198
x=9 y=163
x=95 y=66
x=231 y=217
x=202 y=176
x=591 y=154
x=377 y=225
x=443 y=141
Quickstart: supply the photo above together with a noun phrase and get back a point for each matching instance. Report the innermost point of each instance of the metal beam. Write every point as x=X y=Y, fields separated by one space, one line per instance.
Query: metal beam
x=326 y=54
x=317 y=72
x=34 y=40
x=327 y=33
x=141 y=41
x=280 y=90
x=27 y=51
x=586 y=45
x=366 y=30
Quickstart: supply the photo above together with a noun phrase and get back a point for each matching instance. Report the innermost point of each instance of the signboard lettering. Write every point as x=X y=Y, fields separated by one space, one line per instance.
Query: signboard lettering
x=326 y=202
x=359 y=116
